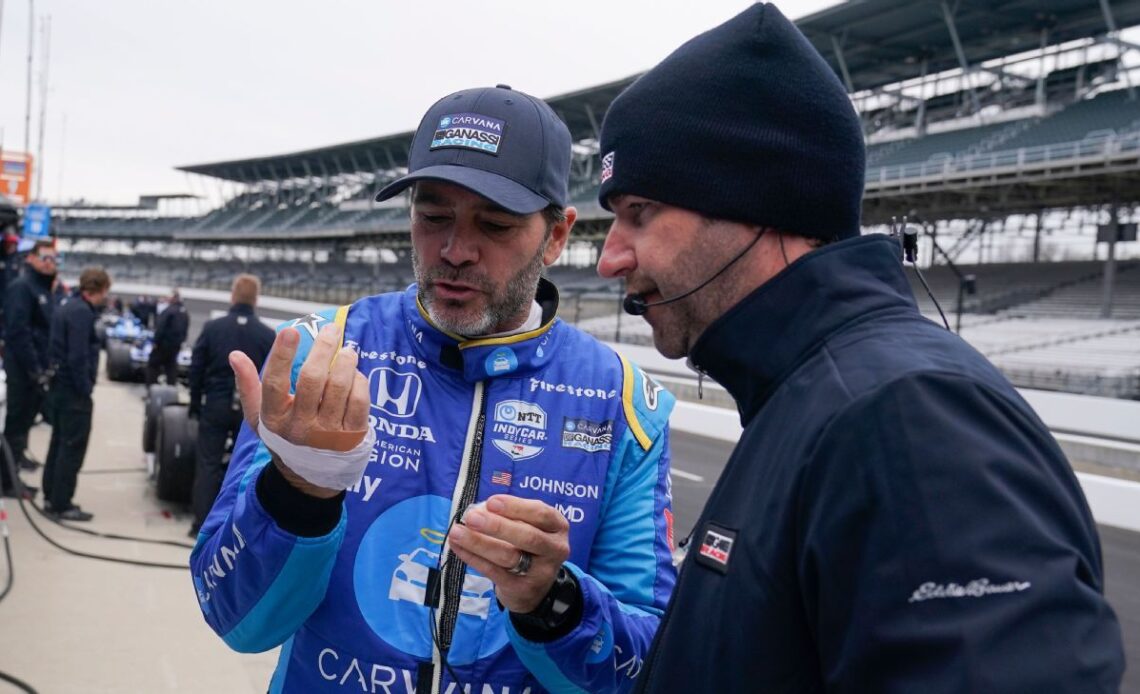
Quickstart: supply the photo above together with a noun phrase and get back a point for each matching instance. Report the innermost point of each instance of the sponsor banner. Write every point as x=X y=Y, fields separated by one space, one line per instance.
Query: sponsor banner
x=395 y=393
x=715 y=549
x=16 y=177
x=572 y=389
x=37 y=221
x=469 y=131
x=587 y=435
x=519 y=429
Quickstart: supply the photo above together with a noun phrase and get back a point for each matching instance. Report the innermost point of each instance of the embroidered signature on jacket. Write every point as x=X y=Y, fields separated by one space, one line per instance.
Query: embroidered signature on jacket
x=979 y=588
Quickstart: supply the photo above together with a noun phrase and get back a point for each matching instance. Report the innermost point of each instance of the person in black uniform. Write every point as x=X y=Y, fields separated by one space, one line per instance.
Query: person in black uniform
x=27 y=319
x=143 y=308
x=75 y=356
x=169 y=333
x=8 y=244
x=212 y=399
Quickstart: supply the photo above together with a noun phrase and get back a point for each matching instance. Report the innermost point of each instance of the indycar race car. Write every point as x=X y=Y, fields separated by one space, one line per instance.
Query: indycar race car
x=129 y=345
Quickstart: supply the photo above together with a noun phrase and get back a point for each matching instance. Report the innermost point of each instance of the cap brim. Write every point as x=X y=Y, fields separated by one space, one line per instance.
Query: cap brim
x=502 y=191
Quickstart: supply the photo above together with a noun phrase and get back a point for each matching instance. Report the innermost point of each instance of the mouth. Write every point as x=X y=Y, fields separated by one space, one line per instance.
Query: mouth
x=453 y=291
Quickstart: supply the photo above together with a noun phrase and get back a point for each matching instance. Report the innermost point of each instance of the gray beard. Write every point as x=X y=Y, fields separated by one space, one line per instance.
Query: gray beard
x=516 y=296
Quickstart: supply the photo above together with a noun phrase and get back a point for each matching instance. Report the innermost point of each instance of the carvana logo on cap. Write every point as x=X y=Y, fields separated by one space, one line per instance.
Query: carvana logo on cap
x=469 y=131
x=501 y=361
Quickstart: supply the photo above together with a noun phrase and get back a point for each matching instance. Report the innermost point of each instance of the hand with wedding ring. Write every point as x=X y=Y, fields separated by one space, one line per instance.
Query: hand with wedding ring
x=517 y=543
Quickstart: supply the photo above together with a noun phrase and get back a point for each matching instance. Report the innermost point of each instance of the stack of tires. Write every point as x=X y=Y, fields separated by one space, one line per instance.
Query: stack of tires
x=170 y=434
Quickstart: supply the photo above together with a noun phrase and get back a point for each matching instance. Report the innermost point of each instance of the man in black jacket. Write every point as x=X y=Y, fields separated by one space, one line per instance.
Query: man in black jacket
x=212 y=380
x=894 y=518
x=170 y=332
x=75 y=356
x=144 y=308
x=27 y=319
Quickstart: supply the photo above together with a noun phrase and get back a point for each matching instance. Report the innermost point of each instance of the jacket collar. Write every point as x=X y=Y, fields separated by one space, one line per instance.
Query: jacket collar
x=241 y=309
x=40 y=278
x=480 y=359
x=756 y=344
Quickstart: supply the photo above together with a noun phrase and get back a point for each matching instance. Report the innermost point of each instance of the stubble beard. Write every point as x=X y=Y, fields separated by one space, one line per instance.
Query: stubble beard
x=679 y=325
x=502 y=309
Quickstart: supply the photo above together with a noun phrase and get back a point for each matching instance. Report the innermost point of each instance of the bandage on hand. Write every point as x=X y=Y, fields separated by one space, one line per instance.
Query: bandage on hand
x=326 y=412
x=339 y=441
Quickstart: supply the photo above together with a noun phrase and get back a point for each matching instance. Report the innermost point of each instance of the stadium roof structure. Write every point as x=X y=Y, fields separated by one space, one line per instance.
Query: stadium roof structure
x=581 y=110
x=146 y=202
x=375 y=154
x=869 y=44
x=873 y=43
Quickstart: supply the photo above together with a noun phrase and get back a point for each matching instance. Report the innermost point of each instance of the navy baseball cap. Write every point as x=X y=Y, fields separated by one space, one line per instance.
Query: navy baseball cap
x=496 y=142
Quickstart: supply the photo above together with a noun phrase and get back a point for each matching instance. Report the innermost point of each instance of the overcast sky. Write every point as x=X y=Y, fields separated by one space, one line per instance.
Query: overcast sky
x=147 y=85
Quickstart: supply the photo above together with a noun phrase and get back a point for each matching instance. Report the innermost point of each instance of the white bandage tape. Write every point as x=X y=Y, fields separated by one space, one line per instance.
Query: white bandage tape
x=324 y=468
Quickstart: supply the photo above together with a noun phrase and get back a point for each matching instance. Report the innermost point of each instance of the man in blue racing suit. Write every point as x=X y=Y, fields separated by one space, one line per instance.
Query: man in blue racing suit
x=507 y=523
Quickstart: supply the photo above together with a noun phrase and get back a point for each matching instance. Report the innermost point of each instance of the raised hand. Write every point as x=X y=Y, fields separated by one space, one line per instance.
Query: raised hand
x=328 y=408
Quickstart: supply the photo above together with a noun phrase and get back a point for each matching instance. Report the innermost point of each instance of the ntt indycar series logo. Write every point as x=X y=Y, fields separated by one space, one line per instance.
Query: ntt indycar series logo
x=519 y=429
x=469 y=131
x=587 y=435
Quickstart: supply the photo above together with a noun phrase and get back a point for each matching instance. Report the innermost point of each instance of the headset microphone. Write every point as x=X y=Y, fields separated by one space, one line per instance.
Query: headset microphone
x=909 y=243
x=908 y=237
x=635 y=304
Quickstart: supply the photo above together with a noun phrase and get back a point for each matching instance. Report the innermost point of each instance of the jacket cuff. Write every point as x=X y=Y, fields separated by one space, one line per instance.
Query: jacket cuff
x=293 y=510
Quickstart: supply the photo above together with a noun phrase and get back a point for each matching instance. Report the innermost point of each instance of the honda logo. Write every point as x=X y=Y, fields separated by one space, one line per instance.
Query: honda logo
x=394 y=393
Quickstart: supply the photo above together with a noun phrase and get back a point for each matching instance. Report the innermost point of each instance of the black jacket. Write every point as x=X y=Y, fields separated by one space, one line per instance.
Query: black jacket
x=75 y=346
x=210 y=372
x=894 y=518
x=171 y=328
x=28 y=310
x=143 y=309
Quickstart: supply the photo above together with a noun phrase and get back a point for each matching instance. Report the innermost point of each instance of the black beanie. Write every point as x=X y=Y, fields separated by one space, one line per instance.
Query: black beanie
x=747 y=123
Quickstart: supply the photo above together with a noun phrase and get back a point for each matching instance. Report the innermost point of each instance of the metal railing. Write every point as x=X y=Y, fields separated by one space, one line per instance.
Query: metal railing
x=1026 y=157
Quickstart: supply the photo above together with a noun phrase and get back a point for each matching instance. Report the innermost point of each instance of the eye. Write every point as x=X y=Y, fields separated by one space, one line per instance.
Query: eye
x=637 y=209
x=495 y=227
x=433 y=218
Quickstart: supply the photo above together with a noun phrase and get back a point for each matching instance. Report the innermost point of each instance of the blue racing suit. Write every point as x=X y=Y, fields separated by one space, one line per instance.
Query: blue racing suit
x=367 y=604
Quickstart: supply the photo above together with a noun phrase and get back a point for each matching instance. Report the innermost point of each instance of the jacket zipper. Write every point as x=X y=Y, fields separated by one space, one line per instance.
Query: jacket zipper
x=454 y=570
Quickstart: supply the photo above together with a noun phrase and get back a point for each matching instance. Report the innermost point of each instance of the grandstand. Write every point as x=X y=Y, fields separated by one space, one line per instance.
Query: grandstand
x=1009 y=132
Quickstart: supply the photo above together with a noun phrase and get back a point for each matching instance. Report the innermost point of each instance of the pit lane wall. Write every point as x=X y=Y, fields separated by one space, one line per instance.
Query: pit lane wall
x=1103 y=431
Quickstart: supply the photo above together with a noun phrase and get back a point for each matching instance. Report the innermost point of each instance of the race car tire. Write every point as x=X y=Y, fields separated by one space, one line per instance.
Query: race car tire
x=158 y=398
x=119 y=366
x=175 y=452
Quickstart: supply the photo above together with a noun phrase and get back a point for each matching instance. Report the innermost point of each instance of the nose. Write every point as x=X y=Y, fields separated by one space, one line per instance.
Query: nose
x=618 y=258
x=461 y=247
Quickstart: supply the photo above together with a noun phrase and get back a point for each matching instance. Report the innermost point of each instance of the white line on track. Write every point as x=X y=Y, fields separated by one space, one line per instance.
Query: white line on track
x=686 y=475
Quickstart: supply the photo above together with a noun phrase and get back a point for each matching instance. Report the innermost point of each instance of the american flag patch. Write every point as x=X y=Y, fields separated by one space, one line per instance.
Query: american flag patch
x=607 y=167
x=501 y=477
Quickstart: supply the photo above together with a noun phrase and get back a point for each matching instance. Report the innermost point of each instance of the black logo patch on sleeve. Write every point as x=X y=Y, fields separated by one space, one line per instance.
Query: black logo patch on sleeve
x=714 y=549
